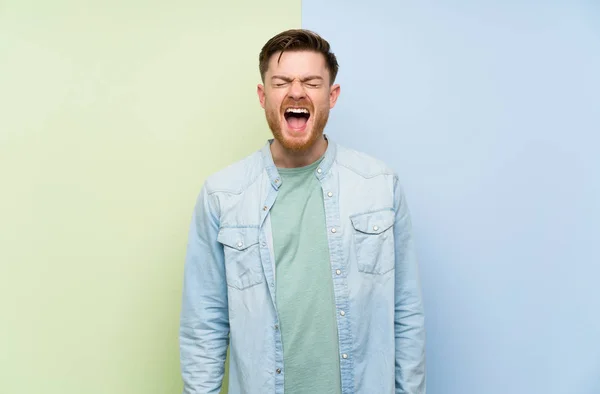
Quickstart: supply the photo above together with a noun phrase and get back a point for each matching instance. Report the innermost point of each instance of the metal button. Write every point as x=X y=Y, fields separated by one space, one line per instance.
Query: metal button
x=330 y=194
x=342 y=313
x=276 y=327
x=278 y=370
x=277 y=180
x=319 y=170
x=265 y=208
x=339 y=272
x=333 y=230
x=240 y=244
x=344 y=356
x=375 y=228
x=263 y=244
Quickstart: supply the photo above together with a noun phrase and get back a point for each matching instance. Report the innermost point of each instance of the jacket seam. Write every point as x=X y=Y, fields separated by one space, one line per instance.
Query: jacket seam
x=236 y=192
x=364 y=175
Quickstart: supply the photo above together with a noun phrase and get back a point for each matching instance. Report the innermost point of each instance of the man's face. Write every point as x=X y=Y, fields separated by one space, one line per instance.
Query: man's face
x=297 y=97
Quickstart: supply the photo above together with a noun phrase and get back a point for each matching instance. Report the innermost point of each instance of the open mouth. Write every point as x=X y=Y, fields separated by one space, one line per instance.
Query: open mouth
x=296 y=118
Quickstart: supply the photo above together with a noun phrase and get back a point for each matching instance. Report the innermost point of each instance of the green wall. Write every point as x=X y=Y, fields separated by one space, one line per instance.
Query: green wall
x=112 y=113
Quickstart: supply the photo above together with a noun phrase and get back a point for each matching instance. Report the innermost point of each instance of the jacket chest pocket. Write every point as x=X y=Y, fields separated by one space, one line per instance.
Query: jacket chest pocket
x=242 y=256
x=374 y=241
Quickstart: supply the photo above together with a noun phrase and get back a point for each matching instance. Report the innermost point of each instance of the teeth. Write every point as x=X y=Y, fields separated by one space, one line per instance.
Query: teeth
x=297 y=110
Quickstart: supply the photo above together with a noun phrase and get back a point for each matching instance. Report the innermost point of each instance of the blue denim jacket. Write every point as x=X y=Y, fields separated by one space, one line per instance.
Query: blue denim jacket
x=229 y=281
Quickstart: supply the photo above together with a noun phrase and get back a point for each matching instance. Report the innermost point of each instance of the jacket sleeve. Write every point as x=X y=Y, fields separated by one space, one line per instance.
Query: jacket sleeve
x=409 y=323
x=204 y=322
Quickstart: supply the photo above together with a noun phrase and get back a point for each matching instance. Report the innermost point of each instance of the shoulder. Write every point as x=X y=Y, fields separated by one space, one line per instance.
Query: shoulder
x=361 y=163
x=236 y=177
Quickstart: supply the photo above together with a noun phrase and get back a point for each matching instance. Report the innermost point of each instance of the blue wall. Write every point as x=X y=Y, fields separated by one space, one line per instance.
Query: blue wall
x=490 y=111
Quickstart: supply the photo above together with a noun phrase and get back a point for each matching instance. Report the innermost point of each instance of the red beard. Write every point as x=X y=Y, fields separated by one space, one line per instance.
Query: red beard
x=319 y=120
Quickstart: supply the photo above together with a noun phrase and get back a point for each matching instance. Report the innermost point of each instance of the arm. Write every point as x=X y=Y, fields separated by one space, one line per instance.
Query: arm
x=409 y=321
x=204 y=324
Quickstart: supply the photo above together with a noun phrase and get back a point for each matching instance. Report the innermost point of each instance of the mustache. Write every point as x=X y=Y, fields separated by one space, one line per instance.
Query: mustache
x=298 y=103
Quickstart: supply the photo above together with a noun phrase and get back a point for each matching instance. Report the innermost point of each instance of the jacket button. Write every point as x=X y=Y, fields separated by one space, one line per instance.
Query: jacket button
x=278 y=370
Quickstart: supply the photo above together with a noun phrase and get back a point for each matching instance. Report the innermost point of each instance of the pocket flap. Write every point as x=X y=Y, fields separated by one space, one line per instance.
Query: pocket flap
x=238 y=237
x=373 y=222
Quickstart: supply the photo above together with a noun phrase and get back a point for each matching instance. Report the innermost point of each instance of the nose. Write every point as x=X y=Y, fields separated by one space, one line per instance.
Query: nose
x=296 y=91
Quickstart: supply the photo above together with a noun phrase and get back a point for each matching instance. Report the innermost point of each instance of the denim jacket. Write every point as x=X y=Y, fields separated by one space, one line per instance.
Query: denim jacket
x=229 y=279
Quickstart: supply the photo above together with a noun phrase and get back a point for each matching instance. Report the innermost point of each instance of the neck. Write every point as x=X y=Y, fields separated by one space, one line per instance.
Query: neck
x=284 y=158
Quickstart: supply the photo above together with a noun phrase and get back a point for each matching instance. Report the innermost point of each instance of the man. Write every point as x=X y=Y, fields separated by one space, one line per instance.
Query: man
x=300 y=256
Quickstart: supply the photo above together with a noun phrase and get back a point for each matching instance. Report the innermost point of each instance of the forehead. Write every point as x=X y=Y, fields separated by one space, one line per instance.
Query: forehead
x=297 y=63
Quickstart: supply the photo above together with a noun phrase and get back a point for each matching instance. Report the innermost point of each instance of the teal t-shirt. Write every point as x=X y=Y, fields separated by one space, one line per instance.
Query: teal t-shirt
x=304 y=293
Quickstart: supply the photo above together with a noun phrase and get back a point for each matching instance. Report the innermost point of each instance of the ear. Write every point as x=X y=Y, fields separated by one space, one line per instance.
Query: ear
x=334 y=93
x=260 y=90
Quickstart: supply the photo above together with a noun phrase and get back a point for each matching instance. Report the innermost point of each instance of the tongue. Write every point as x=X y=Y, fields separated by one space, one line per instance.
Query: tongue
x=296 y=122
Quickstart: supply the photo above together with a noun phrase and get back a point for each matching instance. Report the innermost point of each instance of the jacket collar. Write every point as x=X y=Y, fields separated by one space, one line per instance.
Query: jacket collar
x=320 y=172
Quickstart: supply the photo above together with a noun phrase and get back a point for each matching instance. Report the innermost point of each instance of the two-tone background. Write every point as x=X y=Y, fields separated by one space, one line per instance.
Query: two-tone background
x=112 y=113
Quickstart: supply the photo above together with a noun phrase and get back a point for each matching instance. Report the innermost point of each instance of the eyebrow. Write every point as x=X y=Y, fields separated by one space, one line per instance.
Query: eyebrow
x=287 y=79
